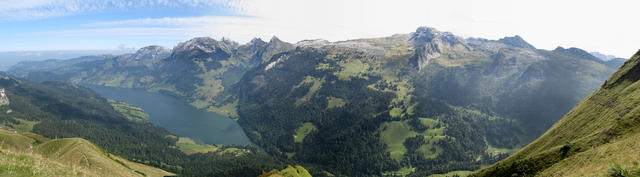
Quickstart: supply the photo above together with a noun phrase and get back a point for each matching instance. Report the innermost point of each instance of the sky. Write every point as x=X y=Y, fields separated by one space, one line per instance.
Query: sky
x=608 y=26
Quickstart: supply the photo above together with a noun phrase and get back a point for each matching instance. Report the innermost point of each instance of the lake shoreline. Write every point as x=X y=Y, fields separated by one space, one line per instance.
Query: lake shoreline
x=178 y=117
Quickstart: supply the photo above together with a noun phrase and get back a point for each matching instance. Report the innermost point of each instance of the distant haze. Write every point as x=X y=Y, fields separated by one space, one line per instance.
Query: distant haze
x=8 y=59
x=603 y=57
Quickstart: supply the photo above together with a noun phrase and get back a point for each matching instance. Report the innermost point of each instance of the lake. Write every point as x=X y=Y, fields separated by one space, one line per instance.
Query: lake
x=178 y=117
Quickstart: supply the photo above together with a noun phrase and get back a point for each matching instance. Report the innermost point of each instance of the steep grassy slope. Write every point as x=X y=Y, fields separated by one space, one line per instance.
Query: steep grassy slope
x=27 y=165
x=599 y=132
x=24 y=156
x=289 y=171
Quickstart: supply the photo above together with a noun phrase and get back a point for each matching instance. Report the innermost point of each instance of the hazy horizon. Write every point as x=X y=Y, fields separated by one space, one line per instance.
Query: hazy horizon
x=37 y=25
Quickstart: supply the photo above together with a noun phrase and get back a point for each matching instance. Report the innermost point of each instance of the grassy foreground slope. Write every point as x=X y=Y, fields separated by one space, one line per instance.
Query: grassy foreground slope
x=23 y=155
x=289 y=171
x=599 y=133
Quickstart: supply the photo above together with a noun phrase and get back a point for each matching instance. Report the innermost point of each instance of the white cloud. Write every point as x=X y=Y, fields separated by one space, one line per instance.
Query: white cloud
x=175 y=32
x=19 y=10
x=606 y=26
x=21 y=4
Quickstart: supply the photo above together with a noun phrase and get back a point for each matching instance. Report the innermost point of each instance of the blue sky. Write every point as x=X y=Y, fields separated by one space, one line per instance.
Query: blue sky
x=606 y=26
x=70 y=25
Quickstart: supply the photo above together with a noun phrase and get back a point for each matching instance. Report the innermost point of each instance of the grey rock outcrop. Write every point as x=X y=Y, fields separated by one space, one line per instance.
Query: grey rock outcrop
x=201 y=48
x=516 y=41
x=146 y=56
x=4 y=100
x=429 y=43
x=274 y=46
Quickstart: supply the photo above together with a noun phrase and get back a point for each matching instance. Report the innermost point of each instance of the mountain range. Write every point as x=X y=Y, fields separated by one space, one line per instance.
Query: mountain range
x=603 y=57
x=416 y=104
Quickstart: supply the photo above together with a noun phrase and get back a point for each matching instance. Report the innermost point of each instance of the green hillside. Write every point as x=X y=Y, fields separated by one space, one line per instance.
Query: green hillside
x=25 y=156
x=600 y=133
x=66 y=113
x=428 y=102
x=289 y=171
x=424 y=103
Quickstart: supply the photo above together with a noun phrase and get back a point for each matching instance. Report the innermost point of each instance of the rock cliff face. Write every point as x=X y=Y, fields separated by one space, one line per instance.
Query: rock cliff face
x=4 y=100
x=202 y=48
x=429 y=43
x=146 y=56
x=274 y=46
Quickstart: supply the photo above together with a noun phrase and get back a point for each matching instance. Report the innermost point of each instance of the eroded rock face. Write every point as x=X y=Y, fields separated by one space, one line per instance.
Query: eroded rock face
x=272 y=48
x=202 y=47
x=429 y=44
x=146 y=56
x=4 y=100
x=151 y=52
x=425 y=35
x=425 y=53
x=250 y=49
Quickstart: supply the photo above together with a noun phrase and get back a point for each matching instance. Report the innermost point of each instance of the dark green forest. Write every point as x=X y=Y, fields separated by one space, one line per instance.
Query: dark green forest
x=63 y=110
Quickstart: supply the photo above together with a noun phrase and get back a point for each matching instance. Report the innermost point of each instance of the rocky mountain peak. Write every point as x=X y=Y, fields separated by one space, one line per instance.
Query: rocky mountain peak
x=313 y=43
x=276 y=43
x=516 y=41
x=254 y=45
x=153 y=51
x=203 y=47
x=229 y=43
x=256 y=41
x=145 y=56
x=275 y=39
x=602 y=56
x=424 y=35
x=202 y=43
x=274 y=46
x=429 y=42
x=576 y=53
x=153 y=47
